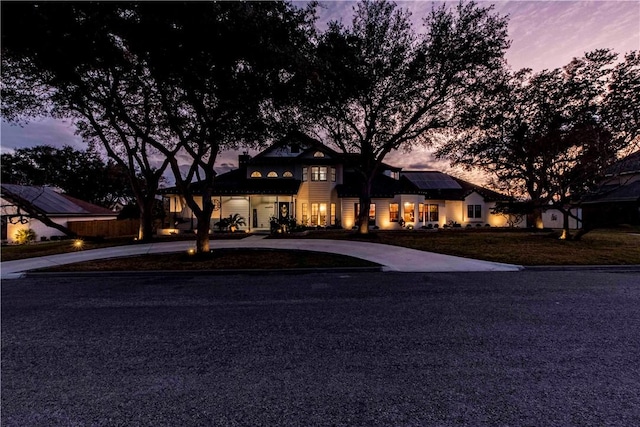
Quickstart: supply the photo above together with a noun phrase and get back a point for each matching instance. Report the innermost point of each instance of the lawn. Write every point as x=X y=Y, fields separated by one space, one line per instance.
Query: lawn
x=522 y=247
x=220 y=259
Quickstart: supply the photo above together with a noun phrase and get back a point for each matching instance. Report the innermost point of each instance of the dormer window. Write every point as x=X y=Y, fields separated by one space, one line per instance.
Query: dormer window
x=256 y=174
x=272 y=174
x=287 y=174
x=318 y=154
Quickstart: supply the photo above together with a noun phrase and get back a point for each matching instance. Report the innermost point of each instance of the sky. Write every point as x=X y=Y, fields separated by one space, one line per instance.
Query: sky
x=543 y=34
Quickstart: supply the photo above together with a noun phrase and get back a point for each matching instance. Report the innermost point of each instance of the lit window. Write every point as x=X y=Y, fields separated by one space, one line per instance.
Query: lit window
x=256 y=174
x=433 y=213
x=421 y=212
x=314 y=214
x=333 y=214
x=305 y=174
x=393 y=212
x=272 y=174
x=305 y=213
x=318 y=173
x=474 y=211
x=333 y=174
x=409 y=212
x=318 y=154
x=287 y=174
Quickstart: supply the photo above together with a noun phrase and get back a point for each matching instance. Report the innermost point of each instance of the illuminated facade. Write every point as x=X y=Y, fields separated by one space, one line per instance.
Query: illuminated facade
x=302 y=179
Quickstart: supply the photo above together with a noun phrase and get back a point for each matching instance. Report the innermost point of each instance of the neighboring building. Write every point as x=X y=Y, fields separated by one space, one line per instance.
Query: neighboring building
x=18 y=199
x=554 y=218
x=617 y=199
x=303 y=179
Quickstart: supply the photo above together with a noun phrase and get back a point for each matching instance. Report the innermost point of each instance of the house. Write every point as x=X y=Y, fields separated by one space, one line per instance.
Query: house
x=617 y=199
x=22 y=205
x=301 y=178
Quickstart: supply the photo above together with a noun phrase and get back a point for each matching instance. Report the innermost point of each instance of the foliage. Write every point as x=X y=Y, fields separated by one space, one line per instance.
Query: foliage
x=24 y=236
x=549 y=136
x=64 y=60
x=79 y=173
x=380 y=86
x=233 y=222
x=513 y=211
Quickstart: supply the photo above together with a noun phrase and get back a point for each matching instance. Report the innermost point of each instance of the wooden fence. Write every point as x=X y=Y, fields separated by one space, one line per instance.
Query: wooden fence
x=105 y=228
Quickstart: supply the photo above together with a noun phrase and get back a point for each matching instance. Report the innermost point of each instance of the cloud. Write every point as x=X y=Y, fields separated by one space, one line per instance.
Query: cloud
x=42 y=132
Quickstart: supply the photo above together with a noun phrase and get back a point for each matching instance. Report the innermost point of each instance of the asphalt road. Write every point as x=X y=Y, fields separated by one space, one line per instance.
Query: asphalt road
x=530 y=348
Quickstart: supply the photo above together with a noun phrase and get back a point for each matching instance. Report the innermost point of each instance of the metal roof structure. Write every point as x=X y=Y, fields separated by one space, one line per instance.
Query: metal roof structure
x=50 y=202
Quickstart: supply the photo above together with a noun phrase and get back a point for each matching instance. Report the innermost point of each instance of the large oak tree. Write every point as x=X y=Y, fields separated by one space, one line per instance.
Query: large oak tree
x=163 y=85
x=381 y=86
x=548 y=136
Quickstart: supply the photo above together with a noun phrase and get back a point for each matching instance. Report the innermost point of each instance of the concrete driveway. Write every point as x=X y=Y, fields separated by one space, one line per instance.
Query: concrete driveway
x=392 y=258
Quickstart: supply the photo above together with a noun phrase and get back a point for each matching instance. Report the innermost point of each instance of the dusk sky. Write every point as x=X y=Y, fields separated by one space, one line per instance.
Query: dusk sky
x=544 y=34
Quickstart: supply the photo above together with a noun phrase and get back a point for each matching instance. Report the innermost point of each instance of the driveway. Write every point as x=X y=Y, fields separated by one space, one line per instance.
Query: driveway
x=392 y=258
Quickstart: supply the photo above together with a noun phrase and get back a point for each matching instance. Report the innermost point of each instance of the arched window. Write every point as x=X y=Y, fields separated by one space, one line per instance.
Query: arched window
x=287 y=174
x=272 y=174
x=318 y=154
x=256 y=174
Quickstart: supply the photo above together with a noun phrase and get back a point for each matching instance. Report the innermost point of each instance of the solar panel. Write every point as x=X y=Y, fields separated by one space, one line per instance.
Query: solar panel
x=432 y=180
x=44 y=199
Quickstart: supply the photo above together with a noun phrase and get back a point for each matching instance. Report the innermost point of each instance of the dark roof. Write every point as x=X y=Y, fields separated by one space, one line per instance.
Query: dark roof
x=383 y=186
x=629 y=164
x=615 y=194
x=50 y=202
x=439 y=185
x=431 y=180
x=236 y=182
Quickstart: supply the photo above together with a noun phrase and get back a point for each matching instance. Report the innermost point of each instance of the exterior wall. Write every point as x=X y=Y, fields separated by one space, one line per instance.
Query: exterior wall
x=454 y=211
x=553 y=218
x=46 y=232
x=496 y=220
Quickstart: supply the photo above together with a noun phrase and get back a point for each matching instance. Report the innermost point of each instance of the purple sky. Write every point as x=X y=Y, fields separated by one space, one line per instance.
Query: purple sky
x=544 y=34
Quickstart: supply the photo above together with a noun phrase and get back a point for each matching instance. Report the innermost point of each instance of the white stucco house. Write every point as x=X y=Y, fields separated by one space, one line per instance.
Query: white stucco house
x=18 y=200
x=302 y=178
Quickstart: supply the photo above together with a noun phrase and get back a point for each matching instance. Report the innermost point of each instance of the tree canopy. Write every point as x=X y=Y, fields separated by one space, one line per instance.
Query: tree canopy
x=164 y=85
x=381 y=86
x=79 y=173
x=548 y=136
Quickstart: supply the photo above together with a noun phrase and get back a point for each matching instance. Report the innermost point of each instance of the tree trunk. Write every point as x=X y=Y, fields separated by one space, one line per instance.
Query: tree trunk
x=145 y=230
x=204 y=220
x=202 y=234
x=566 y=235
x=537 y=218
x=365 y=205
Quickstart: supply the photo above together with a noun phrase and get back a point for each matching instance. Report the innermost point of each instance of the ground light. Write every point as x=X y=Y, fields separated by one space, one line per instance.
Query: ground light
x=78 y=244
x=191 y=251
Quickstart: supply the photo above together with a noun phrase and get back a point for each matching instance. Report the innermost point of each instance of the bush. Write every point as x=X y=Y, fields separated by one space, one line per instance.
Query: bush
x=24 y=236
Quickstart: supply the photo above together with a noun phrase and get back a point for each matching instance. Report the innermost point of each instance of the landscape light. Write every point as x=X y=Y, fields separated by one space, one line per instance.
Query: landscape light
x=191 y=251
x=78 y=244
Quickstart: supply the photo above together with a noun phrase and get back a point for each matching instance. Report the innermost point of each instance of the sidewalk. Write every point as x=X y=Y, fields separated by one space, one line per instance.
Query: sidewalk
x=392 y=258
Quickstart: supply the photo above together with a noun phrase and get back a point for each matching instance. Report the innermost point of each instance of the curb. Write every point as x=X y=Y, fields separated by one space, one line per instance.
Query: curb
x=186 y=273
x=622 y=268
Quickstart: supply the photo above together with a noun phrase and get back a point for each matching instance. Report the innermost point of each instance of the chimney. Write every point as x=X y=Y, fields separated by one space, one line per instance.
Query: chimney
x=243 y=160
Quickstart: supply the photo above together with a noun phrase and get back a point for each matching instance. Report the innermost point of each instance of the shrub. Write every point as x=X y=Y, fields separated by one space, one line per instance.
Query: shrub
x=24 y=236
